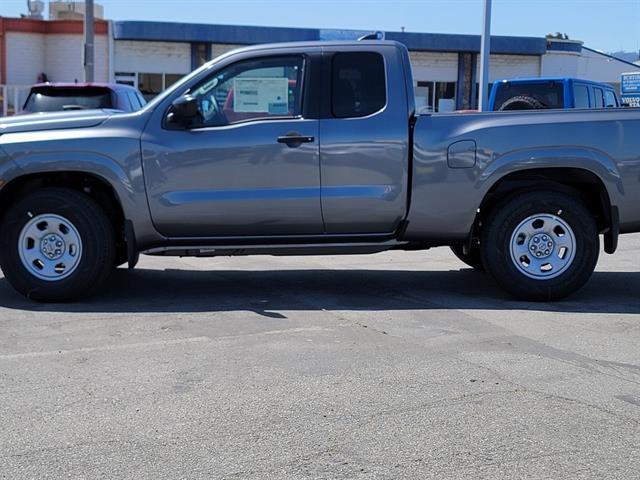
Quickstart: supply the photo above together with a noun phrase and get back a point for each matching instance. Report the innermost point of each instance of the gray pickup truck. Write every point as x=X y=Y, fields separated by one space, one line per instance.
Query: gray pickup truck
x=313 y=148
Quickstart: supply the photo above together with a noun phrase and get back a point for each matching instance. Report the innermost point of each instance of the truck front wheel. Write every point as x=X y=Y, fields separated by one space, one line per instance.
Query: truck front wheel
x=472 y=257
x=56 y=244
x=540 y=246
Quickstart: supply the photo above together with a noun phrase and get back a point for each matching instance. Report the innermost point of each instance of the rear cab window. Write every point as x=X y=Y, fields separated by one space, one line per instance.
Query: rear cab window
x=358 y=84
x=610 y=99
x=547 y=94
x=52 y=99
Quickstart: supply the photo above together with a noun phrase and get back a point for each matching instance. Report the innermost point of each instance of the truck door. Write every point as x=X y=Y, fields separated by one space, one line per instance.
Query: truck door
x=250 y=166
x=364 y=148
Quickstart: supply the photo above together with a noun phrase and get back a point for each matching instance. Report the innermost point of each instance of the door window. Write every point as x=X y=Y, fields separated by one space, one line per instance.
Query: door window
x=599 y=99
x=581 y=96
x=358 y=84
x=265 y=88
x=610 y=98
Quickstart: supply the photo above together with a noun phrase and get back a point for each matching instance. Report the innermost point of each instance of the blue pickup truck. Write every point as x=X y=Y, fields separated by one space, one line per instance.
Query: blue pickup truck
x=551 y=93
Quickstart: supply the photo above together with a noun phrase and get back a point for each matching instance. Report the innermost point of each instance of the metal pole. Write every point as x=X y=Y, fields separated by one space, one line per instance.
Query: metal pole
x=485 y=52
x=88 y=42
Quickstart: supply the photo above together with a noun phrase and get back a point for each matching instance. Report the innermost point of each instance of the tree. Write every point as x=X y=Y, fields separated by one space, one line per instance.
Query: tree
x=557 y=36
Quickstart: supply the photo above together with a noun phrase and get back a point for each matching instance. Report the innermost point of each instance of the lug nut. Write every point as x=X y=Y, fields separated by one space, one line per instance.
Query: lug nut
x=59 y=243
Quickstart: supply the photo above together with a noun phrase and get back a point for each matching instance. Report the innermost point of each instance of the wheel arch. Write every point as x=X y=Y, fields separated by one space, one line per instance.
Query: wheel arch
x=582 y=182
x=93 y=185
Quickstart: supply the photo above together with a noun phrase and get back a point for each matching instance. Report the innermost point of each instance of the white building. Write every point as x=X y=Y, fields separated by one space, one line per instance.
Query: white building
x=153 y=55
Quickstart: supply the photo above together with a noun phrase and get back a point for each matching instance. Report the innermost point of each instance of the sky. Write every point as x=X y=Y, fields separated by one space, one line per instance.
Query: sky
x=608 y=25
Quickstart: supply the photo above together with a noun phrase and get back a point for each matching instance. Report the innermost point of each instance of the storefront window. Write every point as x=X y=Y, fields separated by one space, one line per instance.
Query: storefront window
x=435 y=96
x=445 y=96
x=424 y=97
x=150 y=84
x=170 y=79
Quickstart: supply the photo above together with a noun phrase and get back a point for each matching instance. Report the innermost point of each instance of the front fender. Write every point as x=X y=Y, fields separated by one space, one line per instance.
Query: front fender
x=9 y=169
x=122 y=171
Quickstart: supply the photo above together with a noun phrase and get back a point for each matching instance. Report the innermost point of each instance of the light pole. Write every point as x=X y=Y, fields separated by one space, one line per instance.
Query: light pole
x=88 y=42
x=485 y=52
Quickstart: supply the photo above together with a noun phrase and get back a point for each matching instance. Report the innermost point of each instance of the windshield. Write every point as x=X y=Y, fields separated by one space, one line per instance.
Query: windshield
x=52 y=99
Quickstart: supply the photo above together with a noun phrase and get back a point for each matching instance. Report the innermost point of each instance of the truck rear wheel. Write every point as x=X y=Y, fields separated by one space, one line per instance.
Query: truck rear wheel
x=56 y=245
x=540 y=246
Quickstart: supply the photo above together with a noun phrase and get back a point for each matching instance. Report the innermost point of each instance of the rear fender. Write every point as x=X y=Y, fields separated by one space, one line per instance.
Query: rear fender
x=593 y=161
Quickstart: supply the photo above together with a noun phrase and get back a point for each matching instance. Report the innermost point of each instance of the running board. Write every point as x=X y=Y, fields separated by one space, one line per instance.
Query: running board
x=283 y=249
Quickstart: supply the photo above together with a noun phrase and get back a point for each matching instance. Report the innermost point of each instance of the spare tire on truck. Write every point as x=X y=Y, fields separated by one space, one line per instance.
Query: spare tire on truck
x=522 y=102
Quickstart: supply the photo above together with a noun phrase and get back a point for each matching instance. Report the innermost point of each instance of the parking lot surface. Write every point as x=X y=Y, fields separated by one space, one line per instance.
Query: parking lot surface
x=397 y=365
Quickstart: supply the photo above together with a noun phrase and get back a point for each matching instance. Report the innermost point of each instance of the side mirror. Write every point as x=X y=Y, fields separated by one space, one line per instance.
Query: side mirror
x=184 y=111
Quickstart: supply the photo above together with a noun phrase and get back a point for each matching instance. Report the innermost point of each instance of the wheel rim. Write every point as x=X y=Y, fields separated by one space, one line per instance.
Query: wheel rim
x=543 y=246
x=50 y=247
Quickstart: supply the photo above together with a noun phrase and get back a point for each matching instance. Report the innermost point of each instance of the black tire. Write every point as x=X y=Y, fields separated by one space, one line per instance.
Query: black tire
x=507 y=216
x=521 y=102
x=97 y=257
x=473 y=258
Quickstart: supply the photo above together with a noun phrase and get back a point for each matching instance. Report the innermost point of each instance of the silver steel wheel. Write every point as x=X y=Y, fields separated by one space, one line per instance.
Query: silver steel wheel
x=50 y=247
x=543 y=246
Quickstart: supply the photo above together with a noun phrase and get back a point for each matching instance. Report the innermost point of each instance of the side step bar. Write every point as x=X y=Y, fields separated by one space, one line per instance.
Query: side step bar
x=283 y=249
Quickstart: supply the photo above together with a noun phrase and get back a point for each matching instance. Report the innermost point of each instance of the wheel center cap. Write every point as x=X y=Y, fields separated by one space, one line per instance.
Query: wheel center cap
x=541 y=245
x=52 y=246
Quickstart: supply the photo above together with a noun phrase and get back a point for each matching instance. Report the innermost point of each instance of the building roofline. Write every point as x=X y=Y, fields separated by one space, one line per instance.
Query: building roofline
x=249 y=35
x=634 y=65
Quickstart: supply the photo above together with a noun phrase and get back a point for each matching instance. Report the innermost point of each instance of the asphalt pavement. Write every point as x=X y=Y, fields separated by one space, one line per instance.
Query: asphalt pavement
x=391 y=366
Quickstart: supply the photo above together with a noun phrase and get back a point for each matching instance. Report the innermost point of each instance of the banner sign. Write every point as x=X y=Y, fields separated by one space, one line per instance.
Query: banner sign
x=630 y=89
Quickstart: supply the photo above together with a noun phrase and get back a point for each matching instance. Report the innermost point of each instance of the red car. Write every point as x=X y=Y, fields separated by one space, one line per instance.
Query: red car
x=54 y=97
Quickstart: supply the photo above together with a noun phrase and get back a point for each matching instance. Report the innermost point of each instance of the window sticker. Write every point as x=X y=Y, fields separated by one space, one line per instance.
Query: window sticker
x=268 y=95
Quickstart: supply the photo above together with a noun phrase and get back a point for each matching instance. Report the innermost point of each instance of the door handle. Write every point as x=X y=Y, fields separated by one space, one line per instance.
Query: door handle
x=295 y=140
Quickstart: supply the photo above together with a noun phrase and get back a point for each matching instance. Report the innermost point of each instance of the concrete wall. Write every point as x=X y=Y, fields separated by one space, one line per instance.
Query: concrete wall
x=434 y=66
x=152 y=57
x=443 y=67
x=586 y=64
x=602 y=69
x=25 y=57
x=218 y=49
x=64 y=58
x=59 y=56
x=512 y=66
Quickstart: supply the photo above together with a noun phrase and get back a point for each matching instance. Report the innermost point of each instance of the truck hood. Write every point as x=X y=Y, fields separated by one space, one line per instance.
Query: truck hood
x=54 y=120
